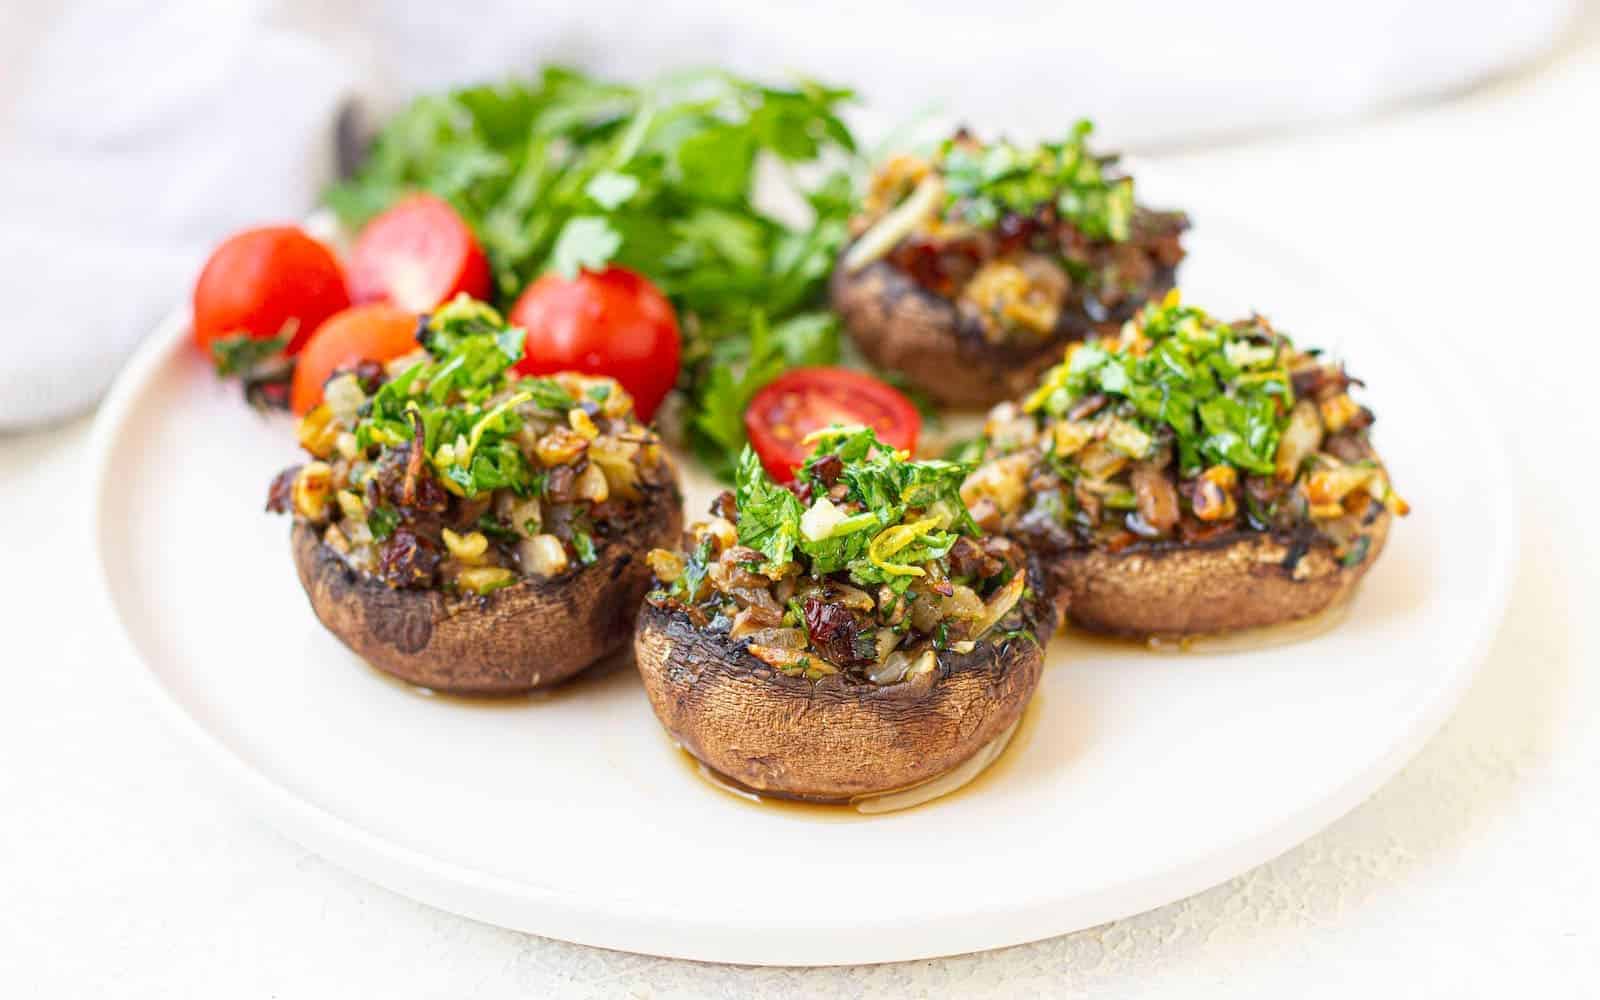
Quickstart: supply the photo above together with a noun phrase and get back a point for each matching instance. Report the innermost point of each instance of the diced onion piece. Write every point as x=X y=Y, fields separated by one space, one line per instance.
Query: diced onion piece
x=665 y=564
x=1002 y=481
x=918 y=207
x=615 y=458
x=1332 y=484
x=964 y=604
x=352 y=505
x=522 y=513
x=779 y=638
x=591 y=485
x=719 y=529
x=1101 y=462
x=923 y=664
x=1000 y=603
x=819 y=520
x=344 y=397
x=311 y=491
x=1069 y=436
x=1300 y=439
x=887 y=640
x=1338 y=411
x=1128 y=439
x=543 y=555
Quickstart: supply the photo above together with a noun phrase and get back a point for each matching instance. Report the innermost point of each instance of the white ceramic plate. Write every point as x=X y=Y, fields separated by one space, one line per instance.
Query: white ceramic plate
x=1137 y=778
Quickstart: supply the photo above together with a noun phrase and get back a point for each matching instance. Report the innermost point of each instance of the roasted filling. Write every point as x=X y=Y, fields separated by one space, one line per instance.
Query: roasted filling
x=1033 y=244
x=446 y=471
x=868 y=564
x=1183 y=428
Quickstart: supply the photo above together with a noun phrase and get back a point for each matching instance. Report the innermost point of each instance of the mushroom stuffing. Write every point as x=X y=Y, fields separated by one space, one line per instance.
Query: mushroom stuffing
x=852 y=632
x=470 y=530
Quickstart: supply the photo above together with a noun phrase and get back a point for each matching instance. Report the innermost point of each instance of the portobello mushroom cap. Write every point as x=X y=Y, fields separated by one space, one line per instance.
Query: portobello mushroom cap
x=839 y=737
x=901 y=326
x=532 y=634
x=1241 y=580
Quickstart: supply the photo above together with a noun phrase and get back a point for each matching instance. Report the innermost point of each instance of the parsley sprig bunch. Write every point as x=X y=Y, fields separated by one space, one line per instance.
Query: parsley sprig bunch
x=570 y=171
x=466 y=402
x=984 y=184
x=866 y=532
x=1222 y=391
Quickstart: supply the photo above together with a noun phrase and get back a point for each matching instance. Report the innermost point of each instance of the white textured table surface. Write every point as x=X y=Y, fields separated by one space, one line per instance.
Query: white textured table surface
x=125 y=870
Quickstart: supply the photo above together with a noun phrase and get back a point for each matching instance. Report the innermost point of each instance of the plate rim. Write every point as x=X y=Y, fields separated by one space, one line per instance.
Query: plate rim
x=648 y=927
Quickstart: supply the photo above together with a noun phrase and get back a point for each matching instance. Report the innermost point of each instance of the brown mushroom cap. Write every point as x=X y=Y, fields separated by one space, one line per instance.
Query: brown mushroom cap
x=531 y=634
x=901 y=326
x=836 y=738
x=1242 y=580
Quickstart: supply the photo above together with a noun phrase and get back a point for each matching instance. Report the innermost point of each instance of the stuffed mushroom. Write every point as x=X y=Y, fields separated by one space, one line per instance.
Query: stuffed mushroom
x=969 y=270
x=469 y=530
x=1189 y=477
x=852 y=633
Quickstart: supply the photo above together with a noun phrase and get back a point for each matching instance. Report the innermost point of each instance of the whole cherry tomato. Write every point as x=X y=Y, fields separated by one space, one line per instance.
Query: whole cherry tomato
x=613 y=322
x=261 y=283
x=375 y=332
x=798 y=402
x=418 y=254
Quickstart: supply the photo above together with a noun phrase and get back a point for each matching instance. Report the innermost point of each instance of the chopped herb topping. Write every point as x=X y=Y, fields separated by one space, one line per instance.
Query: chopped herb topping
x=891 y=516
x=985 y=183
x=241 y=354
x=1223 y=390
x=466 y=403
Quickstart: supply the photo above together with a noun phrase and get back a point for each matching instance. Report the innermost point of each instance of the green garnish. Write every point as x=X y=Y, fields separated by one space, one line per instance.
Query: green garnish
x=583 y=544
x=242 y=353
x=569 y=171
x=382 y=521
x=1358 y=552
x=695 y=568
x=878 y=544
x=495 y=528
x=984 y=185
x=1223 y=391
x=460 y=396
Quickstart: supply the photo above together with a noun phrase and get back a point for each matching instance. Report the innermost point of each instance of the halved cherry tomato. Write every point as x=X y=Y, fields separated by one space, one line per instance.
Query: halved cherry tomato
x=613 y=322
x=263 y=282
x=376 y=332
x=418 y=255
x=798 y=402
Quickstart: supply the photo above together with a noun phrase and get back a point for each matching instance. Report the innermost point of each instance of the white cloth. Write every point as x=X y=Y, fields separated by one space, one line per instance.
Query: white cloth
x=134 y=138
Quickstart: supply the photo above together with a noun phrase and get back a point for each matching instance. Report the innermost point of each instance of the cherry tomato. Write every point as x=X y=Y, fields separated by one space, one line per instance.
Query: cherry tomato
x=375 y=332
x=808 y=399
x=613 y=322
x=260 y=281
x=417 y=255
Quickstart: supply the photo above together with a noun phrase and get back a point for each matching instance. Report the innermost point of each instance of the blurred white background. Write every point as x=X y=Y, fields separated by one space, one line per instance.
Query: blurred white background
x=133 y=137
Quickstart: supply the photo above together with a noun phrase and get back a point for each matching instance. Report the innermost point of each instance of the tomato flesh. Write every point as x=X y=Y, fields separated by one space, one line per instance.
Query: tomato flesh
x=795 y=404
x=263 y=282
x=613 y=322
x=418 y=255
x=375 y=332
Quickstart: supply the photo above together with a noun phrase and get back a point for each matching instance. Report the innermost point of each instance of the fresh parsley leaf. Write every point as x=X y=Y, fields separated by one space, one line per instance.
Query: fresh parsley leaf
x=242 y=353
x=769 y=514
x=566 y=171
x=586 y=241
x=610 y=189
